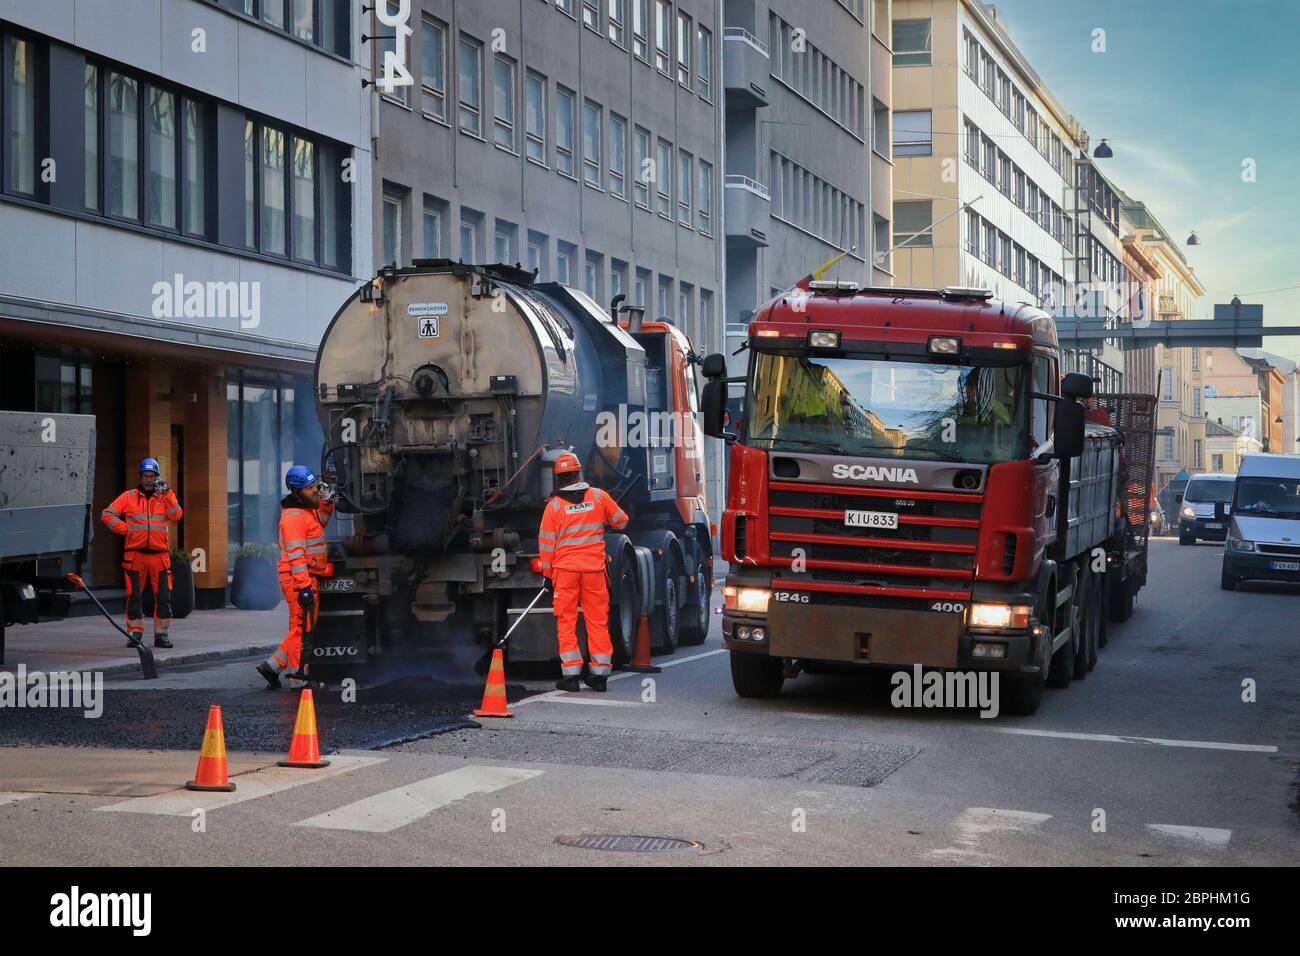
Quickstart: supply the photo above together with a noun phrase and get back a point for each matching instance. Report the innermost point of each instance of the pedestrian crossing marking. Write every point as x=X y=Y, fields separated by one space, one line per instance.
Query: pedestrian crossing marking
x=249 y=786
x=1211 y=835
x=9 y=796
x=393 y=809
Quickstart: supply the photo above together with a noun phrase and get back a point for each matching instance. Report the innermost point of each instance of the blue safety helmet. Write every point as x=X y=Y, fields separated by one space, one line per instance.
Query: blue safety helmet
x=299 y=477
x=149 y=464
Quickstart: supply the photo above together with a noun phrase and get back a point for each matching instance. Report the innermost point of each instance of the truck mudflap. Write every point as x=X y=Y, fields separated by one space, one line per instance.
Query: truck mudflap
x=884 y=636
x=340 y=634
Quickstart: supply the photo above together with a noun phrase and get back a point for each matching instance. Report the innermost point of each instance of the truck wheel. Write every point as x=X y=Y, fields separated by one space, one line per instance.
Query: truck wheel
x=1023 y=694
x=1061 y=671
x=696 y=611
x=1103 y=606
x=1121 y=601
x=624 y=608
x=1228 y=582
x=756 y=675
x=665 y=619
x=1085 y=654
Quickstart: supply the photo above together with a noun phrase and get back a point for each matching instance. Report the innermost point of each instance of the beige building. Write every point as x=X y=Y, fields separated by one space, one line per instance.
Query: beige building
x=1224 y=448
x=1248 y=390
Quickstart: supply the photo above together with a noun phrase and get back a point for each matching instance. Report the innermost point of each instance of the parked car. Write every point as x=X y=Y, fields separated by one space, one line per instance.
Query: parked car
x=1199 y=516
x=1264 y=531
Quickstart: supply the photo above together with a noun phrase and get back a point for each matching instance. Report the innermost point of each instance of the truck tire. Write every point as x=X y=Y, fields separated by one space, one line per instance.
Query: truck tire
x=1121 y=600
x=1085 y=653
x=696 y=612
x=756 y=675
x=1024 y=693
x=1103 y=609
x=665 y=616
x=1228 y=582
x=624 y=604
x=1061 y=670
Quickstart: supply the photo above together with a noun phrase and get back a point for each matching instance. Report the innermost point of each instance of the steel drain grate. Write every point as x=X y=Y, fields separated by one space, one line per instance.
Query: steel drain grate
x=628 y=844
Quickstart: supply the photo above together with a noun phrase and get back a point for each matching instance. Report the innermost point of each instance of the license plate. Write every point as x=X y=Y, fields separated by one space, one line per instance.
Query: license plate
x=1284 y=565
x=337 y=584
x=1213 y=526
x=870 y=519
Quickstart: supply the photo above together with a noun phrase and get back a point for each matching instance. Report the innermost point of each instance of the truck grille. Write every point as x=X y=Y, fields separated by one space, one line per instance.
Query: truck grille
x=933 y=547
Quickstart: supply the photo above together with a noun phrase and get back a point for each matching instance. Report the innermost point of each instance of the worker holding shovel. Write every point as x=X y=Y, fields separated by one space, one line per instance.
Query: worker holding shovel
x=304 y=560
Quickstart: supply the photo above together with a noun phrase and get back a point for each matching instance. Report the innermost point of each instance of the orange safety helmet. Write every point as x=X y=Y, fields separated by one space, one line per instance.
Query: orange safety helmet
x=568 y=471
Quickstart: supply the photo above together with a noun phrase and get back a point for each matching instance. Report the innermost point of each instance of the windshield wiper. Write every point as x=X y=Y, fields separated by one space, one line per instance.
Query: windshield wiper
x=823 y=444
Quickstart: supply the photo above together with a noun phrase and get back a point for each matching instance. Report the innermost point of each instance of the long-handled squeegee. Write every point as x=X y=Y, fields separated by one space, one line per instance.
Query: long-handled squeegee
x=147 y=665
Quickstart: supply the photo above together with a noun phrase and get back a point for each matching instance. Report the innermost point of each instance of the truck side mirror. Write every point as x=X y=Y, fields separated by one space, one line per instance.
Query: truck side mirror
x=1076 y=385
x=715 y=365
x=1067 y=436
x=713 y=405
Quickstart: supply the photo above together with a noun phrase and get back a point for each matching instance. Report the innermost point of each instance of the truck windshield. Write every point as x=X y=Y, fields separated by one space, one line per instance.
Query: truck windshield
x=887 y=408
x=1268 y=497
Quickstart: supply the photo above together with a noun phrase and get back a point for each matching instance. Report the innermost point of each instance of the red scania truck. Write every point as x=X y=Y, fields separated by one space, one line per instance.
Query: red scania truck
x=913 y=482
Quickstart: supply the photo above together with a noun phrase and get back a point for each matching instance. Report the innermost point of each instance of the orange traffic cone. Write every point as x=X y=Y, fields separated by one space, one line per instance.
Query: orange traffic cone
x=640 y=661
x=494 y=693
x=212 y=773
x=304 y=749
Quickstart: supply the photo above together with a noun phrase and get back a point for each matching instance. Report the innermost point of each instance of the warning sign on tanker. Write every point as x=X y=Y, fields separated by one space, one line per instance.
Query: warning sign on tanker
x=428 y=327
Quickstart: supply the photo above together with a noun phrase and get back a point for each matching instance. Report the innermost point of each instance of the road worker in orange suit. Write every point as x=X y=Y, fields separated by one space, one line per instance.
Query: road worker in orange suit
x=304 y=513
x=571 y=545
x=141 y=515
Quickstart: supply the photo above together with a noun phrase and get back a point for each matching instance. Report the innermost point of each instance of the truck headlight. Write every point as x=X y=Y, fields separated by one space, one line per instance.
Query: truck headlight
x=1237 y=544
x=752 y=600
x=1000 y=615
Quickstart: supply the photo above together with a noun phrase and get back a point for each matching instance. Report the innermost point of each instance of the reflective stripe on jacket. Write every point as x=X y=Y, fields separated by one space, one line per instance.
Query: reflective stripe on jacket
x=303 y=551
x=142 y=519
x=572 y=535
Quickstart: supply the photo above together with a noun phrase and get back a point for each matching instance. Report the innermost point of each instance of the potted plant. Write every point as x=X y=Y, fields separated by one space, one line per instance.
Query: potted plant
x=182 y=583
x=255 y=585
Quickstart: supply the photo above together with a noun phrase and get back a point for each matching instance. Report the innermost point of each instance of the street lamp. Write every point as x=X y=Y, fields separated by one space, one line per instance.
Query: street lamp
x=1102 y=151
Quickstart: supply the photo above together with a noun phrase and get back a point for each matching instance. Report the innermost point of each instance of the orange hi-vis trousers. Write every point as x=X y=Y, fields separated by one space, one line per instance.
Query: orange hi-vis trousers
x=148 y=569
x=290 y=649
x=588 y=590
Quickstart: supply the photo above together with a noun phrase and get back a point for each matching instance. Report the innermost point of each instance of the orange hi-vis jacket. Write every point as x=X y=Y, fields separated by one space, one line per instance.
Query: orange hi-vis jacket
x=303 y=552
x=143 y=518
x=572 y=536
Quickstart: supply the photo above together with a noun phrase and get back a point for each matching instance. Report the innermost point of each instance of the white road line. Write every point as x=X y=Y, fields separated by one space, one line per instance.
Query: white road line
x=9 y=796
x=552 y=694
x=248 y=786
x=563 y=698
x=1211 y=835
x=385 y=812
x=974 y=823
x=1124 y=739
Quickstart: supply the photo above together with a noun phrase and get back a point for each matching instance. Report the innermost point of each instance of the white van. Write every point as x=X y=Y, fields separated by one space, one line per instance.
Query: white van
x=1264 y=530
x=1198 y=516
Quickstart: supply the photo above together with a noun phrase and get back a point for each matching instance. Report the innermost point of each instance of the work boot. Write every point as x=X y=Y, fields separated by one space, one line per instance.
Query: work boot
x=568 y=683
x=272 y=678
x=160 y=640
x=596 y=682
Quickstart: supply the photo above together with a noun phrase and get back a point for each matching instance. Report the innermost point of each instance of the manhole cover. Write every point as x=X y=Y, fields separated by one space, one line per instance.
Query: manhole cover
x=628 y=844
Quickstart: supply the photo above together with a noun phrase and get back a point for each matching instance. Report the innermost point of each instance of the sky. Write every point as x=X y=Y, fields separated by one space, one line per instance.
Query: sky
x=1184 y=92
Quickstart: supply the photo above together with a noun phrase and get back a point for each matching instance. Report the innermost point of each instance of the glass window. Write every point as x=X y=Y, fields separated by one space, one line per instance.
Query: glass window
x=912 y=220
x=123 y=146
x=643 y=168
x=704 y=62
x=470 y=82
x=564 y=131
x=663 y=34
x=432 y=229
x=535 y=116
x=564 y=263
x=912 y=133
x=537 y=258
x=304 y=19
x=504 y=102
x=21 y=106
x=591 y=142
x=503 y=242
x=250 y=185
x=640 y=20
x=685 y=177
x=260 y=463
x=273 y=191
x=469 y=226
x=273 y=12
x=304 y=199
x=591 y=14
x=616 y=14
x=911 y=42
x=335 y=209
x=392 y=230
x=684 y=34
x=92 y=136
x=196 y=186
x=433 y=67
x=704 y=202
x=617 y=155
x=664 y=178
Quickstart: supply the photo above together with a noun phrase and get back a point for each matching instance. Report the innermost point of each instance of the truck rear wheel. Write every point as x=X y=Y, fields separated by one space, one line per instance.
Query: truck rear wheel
x=756 y=675
x=665 y=619
x=624 y=606
x=1061 y=671
x=1024 y=693
x=1088 y=605
x=696 y=611
x=1121 y=600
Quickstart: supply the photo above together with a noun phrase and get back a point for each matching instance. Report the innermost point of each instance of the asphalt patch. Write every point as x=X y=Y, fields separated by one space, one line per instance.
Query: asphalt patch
x=255 y=721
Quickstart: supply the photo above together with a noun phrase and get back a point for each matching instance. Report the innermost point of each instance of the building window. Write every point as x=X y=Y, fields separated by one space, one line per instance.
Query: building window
x=1167 y=384
x=880 y=242
x=616 y=17
x=641 y=184
x=972 y=138
x=537 y=257
x=685 y=306
x=469 y=66
x=663 y=35
x=433 y=67
x=591 y=14
x=591 y=143
x=617 y=155
x=593 y=274
x=160 y=164
x=123 y=147
x=535 y=117
x=617 y=278
x=564 y=131
x=684 y=34
x=261 y=426
x=639 y=288
x=685 y=177
x=664 y=179
x=273 y=192
x=19 y=108
x=911 y=43
x=912 y=133
x=566 y=6
x=705 y=329
x=504 y=102
x=91 y=81
x=434 y=219
x=304 y=200
x=665 y=297
x=912 y=222
x=392 y=226
x=704 y=61
x=1216 y=463
x=704 y=200
x=504 y=242
x=640 y=32
x=470 y=227
x=564 y=254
